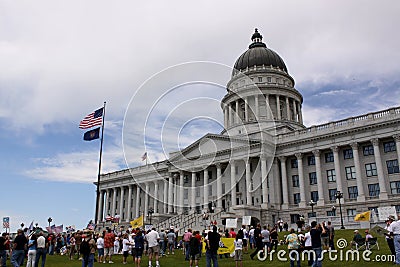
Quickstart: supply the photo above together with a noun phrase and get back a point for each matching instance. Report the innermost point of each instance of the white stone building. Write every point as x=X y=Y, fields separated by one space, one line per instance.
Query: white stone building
x=266 y=163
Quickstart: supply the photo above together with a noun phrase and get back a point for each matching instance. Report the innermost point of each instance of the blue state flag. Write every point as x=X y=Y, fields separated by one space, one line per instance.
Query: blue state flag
x=92 y=134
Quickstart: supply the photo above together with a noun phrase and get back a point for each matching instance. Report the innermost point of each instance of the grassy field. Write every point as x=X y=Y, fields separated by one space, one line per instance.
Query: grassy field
x=178 y=259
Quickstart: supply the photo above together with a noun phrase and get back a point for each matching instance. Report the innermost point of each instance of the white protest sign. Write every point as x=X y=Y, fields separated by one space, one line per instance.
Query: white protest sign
x=231 y=223
x=246 y=220
x=384 y=212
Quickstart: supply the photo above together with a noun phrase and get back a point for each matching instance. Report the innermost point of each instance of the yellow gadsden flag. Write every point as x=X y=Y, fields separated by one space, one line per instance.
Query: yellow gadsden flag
x=363 y=217
x=138 y=222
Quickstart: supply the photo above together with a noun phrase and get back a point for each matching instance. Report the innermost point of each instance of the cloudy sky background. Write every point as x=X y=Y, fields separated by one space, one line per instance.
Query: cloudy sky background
x=60 y=60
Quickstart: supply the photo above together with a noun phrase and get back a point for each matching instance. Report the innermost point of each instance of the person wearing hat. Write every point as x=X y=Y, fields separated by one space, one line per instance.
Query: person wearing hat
x=395 y=232
x=357 y=239
x=388 y=236
x=19 y=246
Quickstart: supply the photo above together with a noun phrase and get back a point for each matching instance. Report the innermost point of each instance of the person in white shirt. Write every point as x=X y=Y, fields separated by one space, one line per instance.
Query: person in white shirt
x=307 y=244
x=396 y=238
x=126 y=246
x=100 y=249
x=154 y=249
x=388 y=236
x=238 y=251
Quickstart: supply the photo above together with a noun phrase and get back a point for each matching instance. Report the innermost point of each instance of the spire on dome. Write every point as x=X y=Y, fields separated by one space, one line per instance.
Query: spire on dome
x=257 y=39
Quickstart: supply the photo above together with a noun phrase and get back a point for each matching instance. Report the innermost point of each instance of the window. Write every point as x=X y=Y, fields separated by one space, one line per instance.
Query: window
x=295 y=180
x=311 y=160
x=353 y=192
x=351 y=212
x=294 y=218
x=332 y=194
x=293 y=163
x=223 y=188
x=314 y=196
x=210 y=176
x=331 y=174
x=373 y=190
x=197 y=176
x=348 y=153
x=210 y=190
x=368 y=150
x=237 y=187
x=397 y=208
x=259 y=79
x=186 y=194
x=331 y=212
x=350 y=172
x=197 y=192
x=269 y=79
x=392 y=166
x=185 y=179
x=251 y=167
x=313 y=178
x=370 y=169
x=389 y=146
x=395 y=187
x=329 y=157
x=373 y=210
x=296 y=198
x=277 y=80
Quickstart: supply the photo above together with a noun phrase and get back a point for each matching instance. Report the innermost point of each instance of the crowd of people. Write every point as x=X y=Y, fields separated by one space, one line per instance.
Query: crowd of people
x=89 y=246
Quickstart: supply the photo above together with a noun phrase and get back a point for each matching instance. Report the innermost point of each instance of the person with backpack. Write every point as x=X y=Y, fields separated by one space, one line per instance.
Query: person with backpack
x=87 y=250
x=194 y=250
x=292 y=240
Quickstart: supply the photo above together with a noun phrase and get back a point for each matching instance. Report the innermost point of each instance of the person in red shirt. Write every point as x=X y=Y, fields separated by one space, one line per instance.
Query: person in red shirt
x=109 y=239
x=232 y=233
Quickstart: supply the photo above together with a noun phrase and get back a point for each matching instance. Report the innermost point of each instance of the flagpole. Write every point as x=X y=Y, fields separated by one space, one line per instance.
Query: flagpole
x=98 y=174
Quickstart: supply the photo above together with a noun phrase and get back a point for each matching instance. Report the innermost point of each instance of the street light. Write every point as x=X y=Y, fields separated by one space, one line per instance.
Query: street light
x=150 y=212
x=339 y=195
x=22 y=226
x=312 y=204
x=49 y=220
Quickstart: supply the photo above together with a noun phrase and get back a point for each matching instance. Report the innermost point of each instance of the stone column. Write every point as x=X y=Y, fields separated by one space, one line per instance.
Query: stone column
x=106 y=209
x=165 y=196
x=237 y=112
x=300 y=114
x=285 y=191
x=155 y=203
x=114 y=202
x=296 y=117
x=121 y=203
x=231 y=115
x=193 y=191
x=268 y=107
x=137 y=211
x=248 y=182
x=246 y=109
x=257 y=113
x=396 y=138
x=336 y=160
x=170 y=194
x=278 y=108
x=129 y=199
x=303 y=200
x=233 y=183
x=357 y=166
x=219 y=187
x=175 y=194
x=381 y=176
x=320 y=184
x=264 y=179
x=181 y=192
x=205 y=194
x=146 y=198
x=287 y=109
x=225 y=117
x=101 y=203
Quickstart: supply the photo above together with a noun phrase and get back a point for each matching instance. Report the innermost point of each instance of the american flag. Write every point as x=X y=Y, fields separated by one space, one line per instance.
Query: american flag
x=144 y=157
x=6 y=222
x=93 y=119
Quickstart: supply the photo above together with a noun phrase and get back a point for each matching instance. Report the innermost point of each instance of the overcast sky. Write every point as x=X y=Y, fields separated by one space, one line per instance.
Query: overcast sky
x=60 y=60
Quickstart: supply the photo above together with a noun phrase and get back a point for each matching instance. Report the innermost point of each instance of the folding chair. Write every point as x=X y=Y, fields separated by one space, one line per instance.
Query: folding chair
x=372 y=242
x=360 y=244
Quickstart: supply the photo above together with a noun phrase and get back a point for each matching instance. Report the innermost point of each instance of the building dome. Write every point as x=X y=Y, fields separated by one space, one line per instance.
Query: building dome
x=258 y=55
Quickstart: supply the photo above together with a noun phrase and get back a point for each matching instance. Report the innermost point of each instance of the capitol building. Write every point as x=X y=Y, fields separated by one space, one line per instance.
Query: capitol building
x=265 y=163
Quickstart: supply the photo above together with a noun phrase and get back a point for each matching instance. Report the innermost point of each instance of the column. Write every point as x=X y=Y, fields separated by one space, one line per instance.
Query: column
x=396 y=138
x=237 y=111
x=225 y=117
x=300 y=114
x=146 y=199
x=101 y=203
x=181 y=192
x=257 y=113
x=231 y=115
x=303 y=201
x=114 y=202
x=121 y=203
x=264 y=179
x=170 y=194
x=175 y=206
x=205 y=188
x=268 y=107
x=357 y=166
x=287 y=109
x=129 y=199
x=233 y=183
x=193 y=191
x=137 y=211
x=165 y=196
x=106 y=203
x=246 y=109
x=278 y=108
x=248 y=183
x=320 y=184
x=155 y=203
x=336 y=160
x=381 y=176
x=285 y=193
x=219 y=187
x=296 y=117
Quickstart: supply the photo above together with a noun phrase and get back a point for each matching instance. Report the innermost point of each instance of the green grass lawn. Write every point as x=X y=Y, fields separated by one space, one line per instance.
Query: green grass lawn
x=178 y=259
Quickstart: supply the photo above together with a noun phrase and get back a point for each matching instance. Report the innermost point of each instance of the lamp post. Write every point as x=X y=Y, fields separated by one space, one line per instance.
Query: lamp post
x=150 y=212
x=22 y=226
x=49 y=220
x=339 y=195
x=312 y=204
